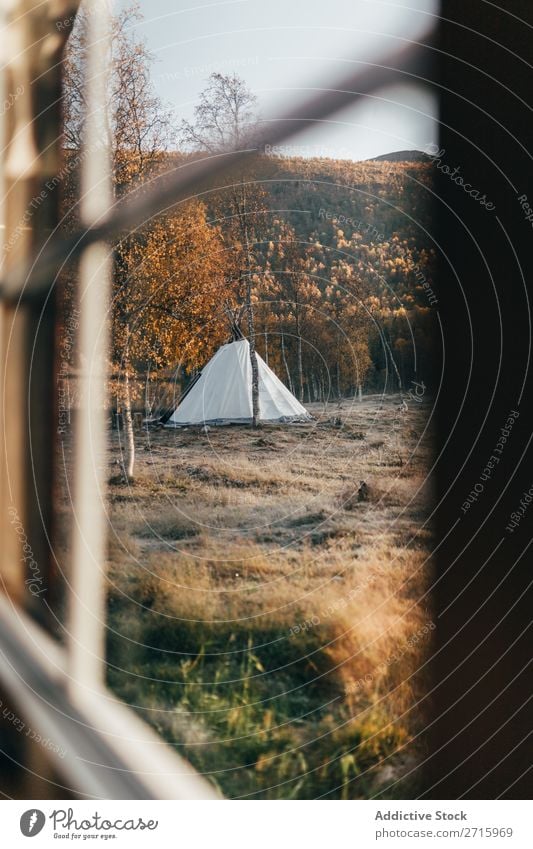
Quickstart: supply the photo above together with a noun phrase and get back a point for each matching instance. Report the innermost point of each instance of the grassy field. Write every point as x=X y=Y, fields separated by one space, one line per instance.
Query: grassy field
x=267 y=616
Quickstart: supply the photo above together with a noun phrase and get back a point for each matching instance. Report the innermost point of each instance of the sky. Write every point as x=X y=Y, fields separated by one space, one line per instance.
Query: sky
x=281 y=47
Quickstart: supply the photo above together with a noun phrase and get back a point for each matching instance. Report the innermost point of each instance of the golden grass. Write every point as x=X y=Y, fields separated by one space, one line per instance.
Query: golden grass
x=246 y=557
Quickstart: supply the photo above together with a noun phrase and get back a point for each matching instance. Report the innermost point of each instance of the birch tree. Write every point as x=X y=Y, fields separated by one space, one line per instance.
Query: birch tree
x=138 y=129
x=172 y=276
x=224 y=118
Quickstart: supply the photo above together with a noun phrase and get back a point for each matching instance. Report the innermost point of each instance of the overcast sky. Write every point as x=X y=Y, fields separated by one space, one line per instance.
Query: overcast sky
x=279 y=46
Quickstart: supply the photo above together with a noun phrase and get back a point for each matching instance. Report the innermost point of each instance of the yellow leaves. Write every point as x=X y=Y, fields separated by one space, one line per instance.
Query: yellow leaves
x=169 y=285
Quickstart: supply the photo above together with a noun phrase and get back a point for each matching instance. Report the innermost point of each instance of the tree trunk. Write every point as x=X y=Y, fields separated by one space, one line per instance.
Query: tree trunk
x=250 y=314
x=338 y=380
x=253 y=355
x=359 y=385
x=129 y=453
x=266 y=347
x=285 y=363
x=300 y=364
x=393 y=361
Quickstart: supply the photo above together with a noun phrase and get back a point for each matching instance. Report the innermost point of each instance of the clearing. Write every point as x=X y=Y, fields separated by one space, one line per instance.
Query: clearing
x=267 y=615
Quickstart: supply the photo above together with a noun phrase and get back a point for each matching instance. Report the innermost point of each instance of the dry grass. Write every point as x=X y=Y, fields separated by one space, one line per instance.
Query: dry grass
x=262 y=614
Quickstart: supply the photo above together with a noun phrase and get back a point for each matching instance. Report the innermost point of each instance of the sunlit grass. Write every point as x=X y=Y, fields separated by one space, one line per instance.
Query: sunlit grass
x=263 y=618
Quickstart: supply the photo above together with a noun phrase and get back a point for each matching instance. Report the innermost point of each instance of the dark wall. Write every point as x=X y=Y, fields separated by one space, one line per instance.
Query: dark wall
x=479 y=711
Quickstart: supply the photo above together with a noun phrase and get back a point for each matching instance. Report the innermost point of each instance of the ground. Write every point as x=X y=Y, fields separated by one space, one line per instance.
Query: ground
x=268 y=611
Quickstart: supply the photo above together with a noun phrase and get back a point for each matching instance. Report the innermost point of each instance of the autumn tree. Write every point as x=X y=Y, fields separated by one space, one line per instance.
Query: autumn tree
x=348 y=325
x=139 y=128
x=168 y=277
x=224 y=119
x=172 y=275
x=290 y=261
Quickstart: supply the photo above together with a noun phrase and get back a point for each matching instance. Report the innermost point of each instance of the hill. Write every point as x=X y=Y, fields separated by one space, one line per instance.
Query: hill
x=402 y=156
x=343 y=259
x=365 y=228
x=359 y=233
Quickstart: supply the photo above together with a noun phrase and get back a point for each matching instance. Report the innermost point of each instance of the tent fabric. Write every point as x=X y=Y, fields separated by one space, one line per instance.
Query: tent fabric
x=223 y=393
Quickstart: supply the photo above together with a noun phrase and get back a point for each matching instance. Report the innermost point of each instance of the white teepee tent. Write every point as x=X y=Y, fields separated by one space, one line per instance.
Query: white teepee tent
x=223 y=392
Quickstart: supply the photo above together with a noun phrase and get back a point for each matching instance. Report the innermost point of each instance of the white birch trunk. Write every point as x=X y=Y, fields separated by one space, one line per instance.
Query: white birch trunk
x=129 y=453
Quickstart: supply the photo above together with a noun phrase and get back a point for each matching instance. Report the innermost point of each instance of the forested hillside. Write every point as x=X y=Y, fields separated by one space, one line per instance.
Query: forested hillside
x=343 y=277
x=343 y=259
x=326 y=264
